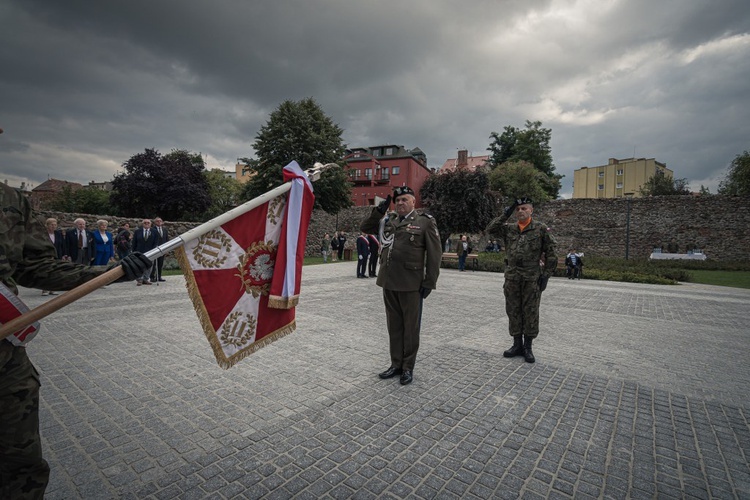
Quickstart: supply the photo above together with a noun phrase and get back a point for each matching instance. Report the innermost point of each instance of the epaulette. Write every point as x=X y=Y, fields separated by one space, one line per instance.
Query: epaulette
x=422 y=212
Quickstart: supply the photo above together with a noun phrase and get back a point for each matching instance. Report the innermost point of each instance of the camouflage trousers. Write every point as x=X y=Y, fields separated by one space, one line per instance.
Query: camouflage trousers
x=23 y=472
x=522 y=306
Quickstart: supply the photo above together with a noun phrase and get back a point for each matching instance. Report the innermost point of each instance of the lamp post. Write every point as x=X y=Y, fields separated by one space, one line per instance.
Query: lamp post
x=629 y=196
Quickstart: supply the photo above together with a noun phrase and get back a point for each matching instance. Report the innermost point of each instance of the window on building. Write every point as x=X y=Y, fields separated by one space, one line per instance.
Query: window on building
x=396 y=170
x=601 y=174
x=389 y=151
x=619 y=171
x=376 y=152
x=357 y=172
x=601 y=187
x=385 y=173
x=368 y=173
x=619 y=185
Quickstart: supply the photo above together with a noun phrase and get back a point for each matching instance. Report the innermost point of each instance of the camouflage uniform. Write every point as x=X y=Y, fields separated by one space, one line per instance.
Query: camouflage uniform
x=523 y=251
x=409 y=260
x=26 y=258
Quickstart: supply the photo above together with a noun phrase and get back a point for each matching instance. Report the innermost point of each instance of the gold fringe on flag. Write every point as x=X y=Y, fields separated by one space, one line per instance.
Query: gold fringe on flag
x=208 y=329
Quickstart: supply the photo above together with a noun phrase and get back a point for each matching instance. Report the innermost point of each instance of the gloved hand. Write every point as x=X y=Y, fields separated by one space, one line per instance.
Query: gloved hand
x=383 y=205
x=509 y=210
x=542 y=282
x=134 y=266
x=424 y=292
x=360 y=257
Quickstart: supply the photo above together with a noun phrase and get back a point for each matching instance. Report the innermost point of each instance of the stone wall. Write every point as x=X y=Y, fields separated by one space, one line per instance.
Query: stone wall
x=719 y=225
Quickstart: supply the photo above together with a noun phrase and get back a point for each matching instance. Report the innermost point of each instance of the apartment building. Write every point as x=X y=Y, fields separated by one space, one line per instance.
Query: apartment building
x=616 y=179
x=376 y=170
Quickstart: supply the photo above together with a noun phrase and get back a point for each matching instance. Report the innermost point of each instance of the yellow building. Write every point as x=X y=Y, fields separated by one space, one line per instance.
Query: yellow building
x=616 y=179
x=241 y=174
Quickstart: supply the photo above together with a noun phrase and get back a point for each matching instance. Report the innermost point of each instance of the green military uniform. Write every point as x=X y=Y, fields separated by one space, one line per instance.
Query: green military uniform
x=409 y=260
x=28 y=259
x=523 y=252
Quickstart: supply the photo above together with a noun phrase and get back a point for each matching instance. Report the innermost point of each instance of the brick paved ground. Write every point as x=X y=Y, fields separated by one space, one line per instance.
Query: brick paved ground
x=638 y=391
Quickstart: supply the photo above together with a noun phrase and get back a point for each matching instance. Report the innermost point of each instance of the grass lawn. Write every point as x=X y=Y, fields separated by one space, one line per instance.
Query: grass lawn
x=737 y=279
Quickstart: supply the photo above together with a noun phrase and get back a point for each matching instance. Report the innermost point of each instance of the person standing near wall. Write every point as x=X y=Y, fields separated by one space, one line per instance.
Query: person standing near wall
x=527 y=243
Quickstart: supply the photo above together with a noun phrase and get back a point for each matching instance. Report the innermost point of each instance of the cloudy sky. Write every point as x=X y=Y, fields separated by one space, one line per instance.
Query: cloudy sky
x=85 y=85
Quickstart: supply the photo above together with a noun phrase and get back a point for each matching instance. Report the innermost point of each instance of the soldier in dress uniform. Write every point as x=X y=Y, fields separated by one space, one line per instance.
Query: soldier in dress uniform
x=527 y=243
x=409 y=267
x=29 y=260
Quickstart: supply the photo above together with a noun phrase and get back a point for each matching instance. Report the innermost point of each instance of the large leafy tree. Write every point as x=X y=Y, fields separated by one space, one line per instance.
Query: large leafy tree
x=737 y=180
x=460 y=201
x=664 y=185
x=516 y=179
x=224 y=193
x=301 y=131
x=532 y=145
x=170 y=186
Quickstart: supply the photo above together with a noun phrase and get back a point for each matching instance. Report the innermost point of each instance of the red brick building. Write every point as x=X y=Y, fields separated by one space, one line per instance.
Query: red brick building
x=464 y=161
x=375 y=171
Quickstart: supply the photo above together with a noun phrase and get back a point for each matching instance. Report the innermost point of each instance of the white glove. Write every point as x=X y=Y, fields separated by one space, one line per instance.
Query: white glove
x=360 y=257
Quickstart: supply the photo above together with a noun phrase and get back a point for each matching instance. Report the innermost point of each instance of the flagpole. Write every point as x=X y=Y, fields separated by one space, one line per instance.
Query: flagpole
x=117 y=272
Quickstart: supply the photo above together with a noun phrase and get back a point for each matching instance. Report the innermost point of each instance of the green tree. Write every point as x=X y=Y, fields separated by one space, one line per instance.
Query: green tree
x=224 y=193
x=82 y=200
x=459 y=200
x=516 y=179
x=664 y=185
x=171 y=186
x=532 y=145
x=299 y=131
x=64 y=200
x=92 y=201
x=737 y=180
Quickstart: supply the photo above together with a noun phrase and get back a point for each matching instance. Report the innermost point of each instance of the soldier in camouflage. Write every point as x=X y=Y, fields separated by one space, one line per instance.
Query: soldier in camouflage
x=409 y=268
x=27 y=258
x=527 y=243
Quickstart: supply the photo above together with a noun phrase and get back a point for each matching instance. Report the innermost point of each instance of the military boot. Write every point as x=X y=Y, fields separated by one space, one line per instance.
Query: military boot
x=517 y=349
x=527 y=354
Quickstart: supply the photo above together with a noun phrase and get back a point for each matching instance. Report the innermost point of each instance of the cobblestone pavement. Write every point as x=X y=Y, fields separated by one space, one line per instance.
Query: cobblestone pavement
x=638 y=391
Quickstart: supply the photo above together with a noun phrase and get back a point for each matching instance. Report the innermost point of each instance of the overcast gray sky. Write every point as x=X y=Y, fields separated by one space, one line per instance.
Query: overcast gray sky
x=85 y=85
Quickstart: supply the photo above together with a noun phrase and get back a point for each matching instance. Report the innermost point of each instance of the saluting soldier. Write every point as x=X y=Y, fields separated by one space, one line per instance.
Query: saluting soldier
x=409 y=267
x=527 y=243
x=29 y=260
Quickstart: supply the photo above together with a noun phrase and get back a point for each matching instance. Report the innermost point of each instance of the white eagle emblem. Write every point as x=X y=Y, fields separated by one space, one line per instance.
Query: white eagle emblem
x=262 y=268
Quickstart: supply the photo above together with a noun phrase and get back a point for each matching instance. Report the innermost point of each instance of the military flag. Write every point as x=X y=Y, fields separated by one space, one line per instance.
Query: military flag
x=244 y=276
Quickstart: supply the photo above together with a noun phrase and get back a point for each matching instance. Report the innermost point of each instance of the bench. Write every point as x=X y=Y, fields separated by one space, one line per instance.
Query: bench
x=472 y=258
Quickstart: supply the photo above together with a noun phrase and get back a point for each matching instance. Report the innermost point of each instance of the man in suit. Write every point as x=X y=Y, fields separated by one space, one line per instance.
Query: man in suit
x=409 y=269
x=79 y=243
x=58 y=241
x=162 y=237
x=374 y=252
x=145 y=238
x=363 y=251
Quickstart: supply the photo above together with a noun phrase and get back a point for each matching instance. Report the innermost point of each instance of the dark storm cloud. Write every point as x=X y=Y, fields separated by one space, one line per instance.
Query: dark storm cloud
x=88 y=84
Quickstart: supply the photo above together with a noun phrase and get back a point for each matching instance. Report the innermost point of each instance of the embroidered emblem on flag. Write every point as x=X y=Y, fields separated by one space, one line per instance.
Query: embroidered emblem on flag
x=232 y=274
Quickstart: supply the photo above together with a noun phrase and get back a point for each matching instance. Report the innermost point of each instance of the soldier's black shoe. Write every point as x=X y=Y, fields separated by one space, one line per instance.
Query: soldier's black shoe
x=517 y=349
x=527 y=354
x=406 y=377
x=390 y=372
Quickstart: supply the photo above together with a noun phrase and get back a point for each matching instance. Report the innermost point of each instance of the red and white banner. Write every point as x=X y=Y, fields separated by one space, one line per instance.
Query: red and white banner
x=244 y=276
x=12 y=307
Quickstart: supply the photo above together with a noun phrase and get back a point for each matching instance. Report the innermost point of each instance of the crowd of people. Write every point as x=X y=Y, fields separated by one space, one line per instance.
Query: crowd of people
x=100 y=246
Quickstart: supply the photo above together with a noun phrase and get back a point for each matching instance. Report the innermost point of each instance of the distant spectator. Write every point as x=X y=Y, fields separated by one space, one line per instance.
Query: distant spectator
x=335 y=246
x=104 y=247
x=123 y=241
x=325 y=247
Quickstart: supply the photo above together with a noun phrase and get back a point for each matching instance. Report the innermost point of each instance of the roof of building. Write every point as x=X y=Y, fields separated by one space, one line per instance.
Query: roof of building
x=472 y=163
x=56 y=185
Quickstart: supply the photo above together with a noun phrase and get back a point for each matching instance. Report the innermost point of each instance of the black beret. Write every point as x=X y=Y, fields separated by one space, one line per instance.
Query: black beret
x=402 y=190
x=524 y=201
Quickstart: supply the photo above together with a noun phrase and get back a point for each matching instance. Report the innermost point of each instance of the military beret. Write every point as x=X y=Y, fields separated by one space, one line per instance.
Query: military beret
x=524 y=201
x=402 y=190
